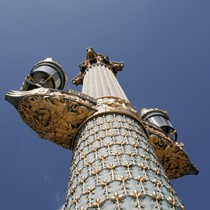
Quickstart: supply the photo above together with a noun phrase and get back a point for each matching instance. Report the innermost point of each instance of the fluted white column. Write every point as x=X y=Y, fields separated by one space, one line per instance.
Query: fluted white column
x=99 y=81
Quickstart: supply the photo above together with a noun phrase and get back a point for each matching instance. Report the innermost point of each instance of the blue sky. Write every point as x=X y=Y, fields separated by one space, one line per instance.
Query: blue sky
x=165 y=47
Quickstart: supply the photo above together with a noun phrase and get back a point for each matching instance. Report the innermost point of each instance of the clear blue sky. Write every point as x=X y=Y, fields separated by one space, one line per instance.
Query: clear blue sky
x=165 y=46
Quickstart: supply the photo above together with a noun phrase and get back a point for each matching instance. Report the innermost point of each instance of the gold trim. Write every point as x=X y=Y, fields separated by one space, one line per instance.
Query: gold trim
x=55 y=115
x=173 y=158
x=93 y=58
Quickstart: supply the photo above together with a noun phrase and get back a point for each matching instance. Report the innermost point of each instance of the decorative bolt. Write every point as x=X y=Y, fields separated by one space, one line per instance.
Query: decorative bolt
x=111 y=167
x=75 y=201
x=117 y=197
x=88 y=143
x=140 y=179
x=123 y=180
x=73 y=190
x=97 y=203
x=157 y=183
x=84 y=155
x=171 y=201
x=156 y=171
x=136 y=194
x=90 y=162
x=142 y=166
x=90 y=189
x=155 y=196
x=83 y=179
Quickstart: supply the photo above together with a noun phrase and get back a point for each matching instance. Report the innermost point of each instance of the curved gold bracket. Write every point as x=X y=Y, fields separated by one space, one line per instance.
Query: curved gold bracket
x=55 y=115
x=171 y=155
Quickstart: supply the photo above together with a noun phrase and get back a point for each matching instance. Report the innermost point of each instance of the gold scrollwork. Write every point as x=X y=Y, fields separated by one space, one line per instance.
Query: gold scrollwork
x=55 y=117
x=172 y=157
x=112 y=103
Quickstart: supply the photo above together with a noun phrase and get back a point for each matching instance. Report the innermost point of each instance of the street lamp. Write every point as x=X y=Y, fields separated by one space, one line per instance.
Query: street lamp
x=121 y=159
x=47 y=74
x=161 y=119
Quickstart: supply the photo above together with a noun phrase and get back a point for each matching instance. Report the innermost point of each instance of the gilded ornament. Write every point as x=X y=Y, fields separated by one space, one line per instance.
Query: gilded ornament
x=54 y=114
x=111 y=104
x=171 y=155
x=93 y=58
x=98 y=203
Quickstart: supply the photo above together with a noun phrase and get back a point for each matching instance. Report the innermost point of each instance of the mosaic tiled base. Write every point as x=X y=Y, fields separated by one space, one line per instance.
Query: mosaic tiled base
x=114 y=168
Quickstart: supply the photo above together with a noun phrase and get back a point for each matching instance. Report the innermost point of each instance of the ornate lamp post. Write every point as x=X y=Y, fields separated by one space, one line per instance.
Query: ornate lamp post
x=121 y=160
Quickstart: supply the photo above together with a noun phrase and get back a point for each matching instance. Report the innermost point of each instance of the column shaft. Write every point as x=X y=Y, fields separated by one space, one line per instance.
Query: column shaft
x=114 y=167
x=100 y=81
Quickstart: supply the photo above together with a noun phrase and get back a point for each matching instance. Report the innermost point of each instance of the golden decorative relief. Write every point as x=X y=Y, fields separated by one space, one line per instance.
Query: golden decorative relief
x=173 y=158
x=96 y=58
x=108 y=104
x=54 y=115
